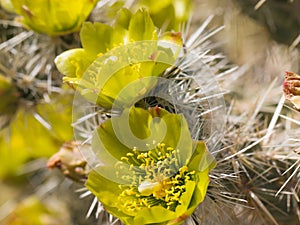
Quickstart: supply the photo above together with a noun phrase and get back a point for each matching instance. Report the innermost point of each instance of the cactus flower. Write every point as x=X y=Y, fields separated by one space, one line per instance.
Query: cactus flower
x=161 y=185
x=114 y=56
x=55 y=17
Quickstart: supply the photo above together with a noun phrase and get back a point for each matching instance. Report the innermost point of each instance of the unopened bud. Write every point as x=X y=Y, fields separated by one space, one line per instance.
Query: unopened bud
x=70 y=161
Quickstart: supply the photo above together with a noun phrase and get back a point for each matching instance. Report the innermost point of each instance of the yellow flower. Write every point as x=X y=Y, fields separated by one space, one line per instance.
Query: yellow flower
x=54 y=17
x=112 y=57
x=162 y=185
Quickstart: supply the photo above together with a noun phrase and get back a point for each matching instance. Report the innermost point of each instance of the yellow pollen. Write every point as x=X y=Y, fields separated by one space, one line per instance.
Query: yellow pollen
x=141 y=156
x=156 y=179
x=124 y=158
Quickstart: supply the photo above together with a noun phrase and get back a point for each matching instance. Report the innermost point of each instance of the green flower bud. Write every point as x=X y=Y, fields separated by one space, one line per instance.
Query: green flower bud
x=70 y=161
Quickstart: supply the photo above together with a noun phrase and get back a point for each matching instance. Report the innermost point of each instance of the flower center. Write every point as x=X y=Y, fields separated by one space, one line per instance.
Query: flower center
x=156 y=177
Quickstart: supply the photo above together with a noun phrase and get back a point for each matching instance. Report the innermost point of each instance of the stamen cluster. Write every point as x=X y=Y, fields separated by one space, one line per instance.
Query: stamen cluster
x=156 y=177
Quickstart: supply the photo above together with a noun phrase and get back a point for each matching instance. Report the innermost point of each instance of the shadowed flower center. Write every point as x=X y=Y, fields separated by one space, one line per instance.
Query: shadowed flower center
x=156 y=177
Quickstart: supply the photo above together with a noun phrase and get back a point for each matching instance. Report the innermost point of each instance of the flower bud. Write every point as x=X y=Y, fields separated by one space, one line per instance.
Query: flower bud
x=70 y=161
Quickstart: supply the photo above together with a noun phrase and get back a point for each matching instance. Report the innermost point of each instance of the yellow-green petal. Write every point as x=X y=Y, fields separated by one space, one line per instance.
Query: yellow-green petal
x=123 y=18
x=95 y=38
x=142 y=129
x=73 y=63
x=141 y=27
x=202 y=181
x=201 y=160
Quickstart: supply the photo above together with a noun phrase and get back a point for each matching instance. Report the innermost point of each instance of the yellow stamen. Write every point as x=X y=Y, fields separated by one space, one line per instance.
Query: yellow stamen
x=157 y=179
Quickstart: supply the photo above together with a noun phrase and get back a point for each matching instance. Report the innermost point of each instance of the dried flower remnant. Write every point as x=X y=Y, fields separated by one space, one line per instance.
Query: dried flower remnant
x=291 y=88
x=158 y=186
x=70 y=161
